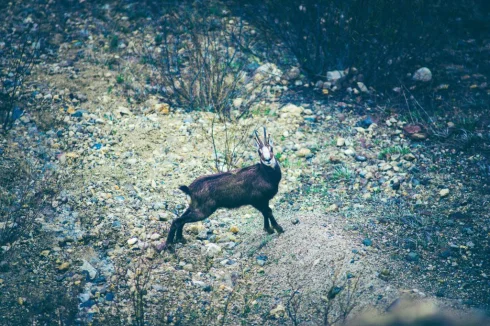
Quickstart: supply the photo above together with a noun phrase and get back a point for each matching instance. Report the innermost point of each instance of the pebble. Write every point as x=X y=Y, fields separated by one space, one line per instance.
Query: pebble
x=188 y=267
x=202 y=285
x=159 y=288
x=197 y=228
x=84 y=297
x=89 y=269
x=211 y=250
x=412 y=256
x=224 y=262
x=333 y=208
x=349 y=152
x=262 y=258
x=278 y=311
x=261 y=262
x=362 y=87
x=444 y=193
x=367 y=242
x=45 y=253
x=335 y=75
x=423 y=74
x=409 y=157
x=155 y=236
x=64 y=266
x=340 y=142
x=163 y=108
x=132 y=241
x=365 y=123
x=304 y=152
x=360 y=158
x=203 y=235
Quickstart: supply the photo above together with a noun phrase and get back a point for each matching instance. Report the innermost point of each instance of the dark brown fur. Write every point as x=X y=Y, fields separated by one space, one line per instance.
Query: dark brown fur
x=254 y=185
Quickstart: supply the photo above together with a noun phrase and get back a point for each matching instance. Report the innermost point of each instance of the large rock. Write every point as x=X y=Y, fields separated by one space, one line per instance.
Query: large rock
x=362 y=87
x=333 y=76
x=267 y=71
x=87 y=267
x=292 y=74
x=278 y=311
x=292 y=110
x=237 y=103
x=423 y=75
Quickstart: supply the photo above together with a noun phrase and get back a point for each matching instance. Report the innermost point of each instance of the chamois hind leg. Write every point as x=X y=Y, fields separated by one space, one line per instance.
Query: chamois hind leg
x=175 y=226
x=264 y=209
x=179 y=237
x=194 y=215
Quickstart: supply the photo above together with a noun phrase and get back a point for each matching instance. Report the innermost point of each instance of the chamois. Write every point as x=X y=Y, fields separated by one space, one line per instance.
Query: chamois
x=254 y=185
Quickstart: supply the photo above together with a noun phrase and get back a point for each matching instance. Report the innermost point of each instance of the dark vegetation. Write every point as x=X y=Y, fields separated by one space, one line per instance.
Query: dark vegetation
x=385 y=41
x=19 y=48
x=379 y=38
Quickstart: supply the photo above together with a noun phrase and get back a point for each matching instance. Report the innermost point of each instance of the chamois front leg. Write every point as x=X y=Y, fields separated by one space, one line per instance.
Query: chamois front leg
x=275 y=225
x=266 y=212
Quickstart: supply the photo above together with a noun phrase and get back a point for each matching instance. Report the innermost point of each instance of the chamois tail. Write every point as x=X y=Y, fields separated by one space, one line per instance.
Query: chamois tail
x=185 y=190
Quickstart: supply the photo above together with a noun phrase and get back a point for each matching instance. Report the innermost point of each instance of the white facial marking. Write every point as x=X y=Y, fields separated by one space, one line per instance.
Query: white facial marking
x=266 y=154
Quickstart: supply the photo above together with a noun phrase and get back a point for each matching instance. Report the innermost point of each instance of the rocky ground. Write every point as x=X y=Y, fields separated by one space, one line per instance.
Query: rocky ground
x=372 y=209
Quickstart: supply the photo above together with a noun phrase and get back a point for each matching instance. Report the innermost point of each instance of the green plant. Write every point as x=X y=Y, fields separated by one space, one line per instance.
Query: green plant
x=286 y=163
x=120 y=79
x=393 y=150
x=342 y=173
x=158 y=39
x=114 y=42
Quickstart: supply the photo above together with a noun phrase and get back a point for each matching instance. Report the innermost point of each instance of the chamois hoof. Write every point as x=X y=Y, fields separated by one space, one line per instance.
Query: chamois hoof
x=269 y=230
x=279 y=229
x=162 y=246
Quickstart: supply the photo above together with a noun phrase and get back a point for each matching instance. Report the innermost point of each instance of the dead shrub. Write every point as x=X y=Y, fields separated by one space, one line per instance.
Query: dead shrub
x=198 y=64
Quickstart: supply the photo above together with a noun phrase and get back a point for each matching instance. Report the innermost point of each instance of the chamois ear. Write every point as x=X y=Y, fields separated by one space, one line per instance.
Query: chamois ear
x=270 y=141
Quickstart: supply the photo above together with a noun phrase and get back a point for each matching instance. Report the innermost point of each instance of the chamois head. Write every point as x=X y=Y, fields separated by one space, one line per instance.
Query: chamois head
x=265 y=150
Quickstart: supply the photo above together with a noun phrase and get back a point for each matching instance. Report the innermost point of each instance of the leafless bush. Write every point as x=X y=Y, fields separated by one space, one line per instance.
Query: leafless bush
x=229 y=142
x=466 y=131
x=18 y=50
x=198 y=64
x=330 y=307
x=131 y=287
x=24 y=189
